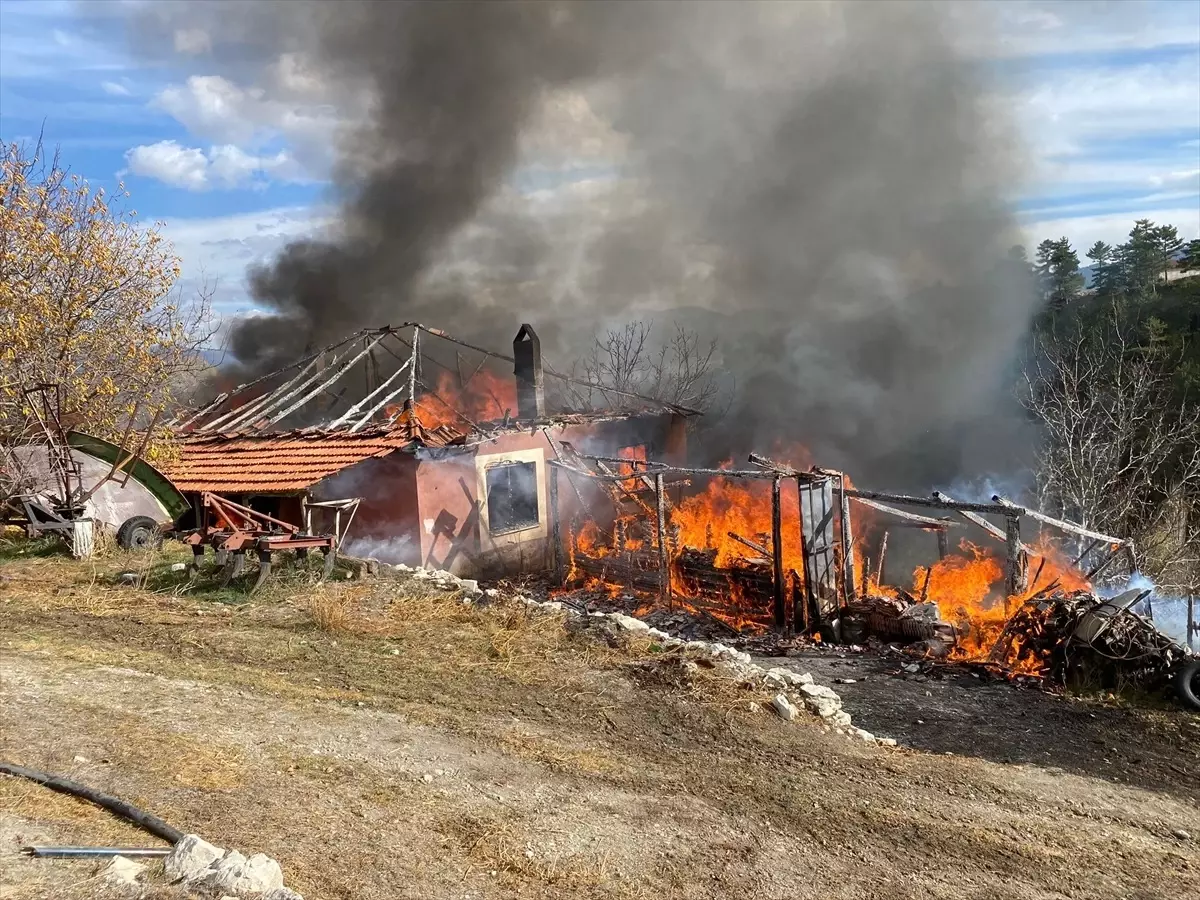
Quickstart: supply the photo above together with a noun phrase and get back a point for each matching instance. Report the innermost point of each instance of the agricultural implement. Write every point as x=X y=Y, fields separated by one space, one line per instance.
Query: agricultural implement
x=232 y=530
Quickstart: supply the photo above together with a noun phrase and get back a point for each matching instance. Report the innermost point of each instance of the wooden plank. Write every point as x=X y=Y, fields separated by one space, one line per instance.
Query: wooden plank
x=943 y=541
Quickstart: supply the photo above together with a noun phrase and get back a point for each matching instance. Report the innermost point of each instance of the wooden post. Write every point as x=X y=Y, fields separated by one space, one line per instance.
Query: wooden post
x=556 y=549
x=1193 y=627
x=664 y=574
x=943 y=539
x=882 y=557
x=778 y=583
x=1016 y=581
x=847 y=545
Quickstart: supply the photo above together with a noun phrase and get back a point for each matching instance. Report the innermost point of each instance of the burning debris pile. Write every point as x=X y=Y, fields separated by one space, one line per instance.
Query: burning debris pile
x=780 y=553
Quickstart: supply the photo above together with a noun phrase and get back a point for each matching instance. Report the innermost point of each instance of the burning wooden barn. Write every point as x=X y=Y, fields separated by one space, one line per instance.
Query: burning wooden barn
x=447 y=459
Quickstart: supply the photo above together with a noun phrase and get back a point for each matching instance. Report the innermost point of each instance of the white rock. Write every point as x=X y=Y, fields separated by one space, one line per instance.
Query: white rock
x=841 y=718
x=492 y=592
x=784 y=707
x=190 y=857
x=787 y=676
x=658 y=635
x=629 y=623
x=864 y=735
x=81 y=759
x=1181 y=834
x=717 y=649
x=234 y=872
x=823 y=706
x=122 y=872
x=128 y=578
x=281 y=893
x=178 y=567
x=470 y=585
x=911 y=668
x=844 y=681
x=401 y=567
x=819 y=691
x=697 y=646
x=888 y=742
x=552 y=605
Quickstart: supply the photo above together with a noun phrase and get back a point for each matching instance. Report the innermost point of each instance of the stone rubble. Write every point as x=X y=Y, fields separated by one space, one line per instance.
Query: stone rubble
x=817 y=699
x=822 y=701
x=122 y=872
x=198 y=864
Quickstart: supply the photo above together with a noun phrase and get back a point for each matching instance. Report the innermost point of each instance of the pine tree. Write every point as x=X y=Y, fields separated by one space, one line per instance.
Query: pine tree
x=1104 y=265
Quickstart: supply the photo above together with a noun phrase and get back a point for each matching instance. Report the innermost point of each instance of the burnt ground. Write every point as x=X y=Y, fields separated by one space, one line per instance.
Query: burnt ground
x=964 y=713
x=383 y=741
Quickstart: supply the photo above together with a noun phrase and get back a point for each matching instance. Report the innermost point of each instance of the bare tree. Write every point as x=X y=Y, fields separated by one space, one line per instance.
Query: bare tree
x=681 y=370
x=89 y=305
x=1121 y=451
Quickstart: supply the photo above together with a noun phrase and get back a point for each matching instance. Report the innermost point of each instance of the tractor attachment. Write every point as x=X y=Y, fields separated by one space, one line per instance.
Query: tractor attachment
x=233 y=529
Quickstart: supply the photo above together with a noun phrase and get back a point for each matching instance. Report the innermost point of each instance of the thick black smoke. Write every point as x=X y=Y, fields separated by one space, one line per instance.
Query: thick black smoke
x=820 y=185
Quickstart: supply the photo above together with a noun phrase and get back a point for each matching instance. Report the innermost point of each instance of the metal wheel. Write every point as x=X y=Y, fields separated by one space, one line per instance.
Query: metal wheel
x=139 y=533
x=233 y=568
x=264 y=569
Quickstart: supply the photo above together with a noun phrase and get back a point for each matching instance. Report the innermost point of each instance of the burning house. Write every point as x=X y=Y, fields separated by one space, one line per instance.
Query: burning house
x=449 y=461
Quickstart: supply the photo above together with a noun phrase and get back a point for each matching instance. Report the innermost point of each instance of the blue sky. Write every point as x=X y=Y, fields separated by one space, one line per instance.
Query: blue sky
x=1106 y=96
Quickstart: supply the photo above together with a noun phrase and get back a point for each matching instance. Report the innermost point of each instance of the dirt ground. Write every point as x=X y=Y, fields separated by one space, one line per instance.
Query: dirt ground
x=385 y=741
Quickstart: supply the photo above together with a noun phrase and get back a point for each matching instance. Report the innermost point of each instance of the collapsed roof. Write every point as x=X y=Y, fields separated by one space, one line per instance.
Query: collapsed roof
x=367 y=396
x=343 y=389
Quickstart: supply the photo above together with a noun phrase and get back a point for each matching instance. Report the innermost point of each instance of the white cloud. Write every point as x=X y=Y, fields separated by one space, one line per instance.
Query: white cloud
x=1112 y=228
x=223 y=166
x=114 y=88
x=216 y=251
x=1025 y=28
x=217 y=109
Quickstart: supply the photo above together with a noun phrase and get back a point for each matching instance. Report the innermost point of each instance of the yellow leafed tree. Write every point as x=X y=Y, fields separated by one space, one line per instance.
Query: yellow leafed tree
x=86 y=305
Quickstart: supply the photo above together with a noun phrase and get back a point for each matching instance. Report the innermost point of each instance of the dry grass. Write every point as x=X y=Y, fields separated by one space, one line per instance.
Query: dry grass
x=561 y=757
x=330 y=612
x=500 y=844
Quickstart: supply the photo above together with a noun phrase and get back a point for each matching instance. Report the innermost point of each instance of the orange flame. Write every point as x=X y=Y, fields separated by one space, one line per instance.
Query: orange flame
x=484 y=397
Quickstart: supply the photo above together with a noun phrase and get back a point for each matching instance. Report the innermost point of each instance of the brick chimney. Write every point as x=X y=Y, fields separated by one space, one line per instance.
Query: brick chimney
x=527 y=367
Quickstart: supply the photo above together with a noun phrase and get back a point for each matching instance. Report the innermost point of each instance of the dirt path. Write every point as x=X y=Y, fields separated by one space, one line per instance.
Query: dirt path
x=963 y=714
x=461 y=753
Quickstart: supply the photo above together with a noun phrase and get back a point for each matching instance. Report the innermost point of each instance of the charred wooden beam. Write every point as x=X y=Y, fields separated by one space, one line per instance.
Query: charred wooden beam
x=756 y=547
x=943 y=543
x=1017 y=559
x=664 y=571
x=904 y=515
x=931 y=502
x=1060 y=524
x=882 y=556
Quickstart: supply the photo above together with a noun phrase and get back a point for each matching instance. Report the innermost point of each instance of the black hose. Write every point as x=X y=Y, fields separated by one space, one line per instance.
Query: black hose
x=144 y=820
